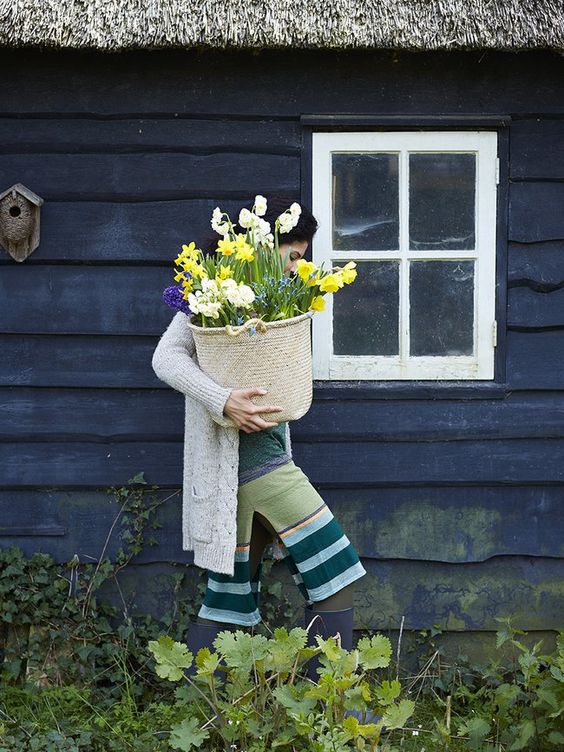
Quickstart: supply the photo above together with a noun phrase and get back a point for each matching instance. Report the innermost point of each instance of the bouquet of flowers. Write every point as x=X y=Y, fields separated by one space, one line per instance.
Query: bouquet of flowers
x=245 y=279
x=241 y=290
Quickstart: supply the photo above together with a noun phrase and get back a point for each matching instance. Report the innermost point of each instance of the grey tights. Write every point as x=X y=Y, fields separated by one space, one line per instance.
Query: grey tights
x=261 y=536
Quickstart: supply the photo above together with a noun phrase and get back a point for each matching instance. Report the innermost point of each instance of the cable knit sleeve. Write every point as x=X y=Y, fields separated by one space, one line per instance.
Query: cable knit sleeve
x=173 y=363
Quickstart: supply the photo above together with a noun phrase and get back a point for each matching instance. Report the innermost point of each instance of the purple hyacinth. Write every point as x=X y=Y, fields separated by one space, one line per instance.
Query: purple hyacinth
x=172 y=296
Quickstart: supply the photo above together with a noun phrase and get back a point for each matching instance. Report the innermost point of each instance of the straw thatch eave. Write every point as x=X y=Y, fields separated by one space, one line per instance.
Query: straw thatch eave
x=377 y=24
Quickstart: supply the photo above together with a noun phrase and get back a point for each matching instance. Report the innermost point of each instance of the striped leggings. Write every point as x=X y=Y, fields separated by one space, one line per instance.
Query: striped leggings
x=320 y=557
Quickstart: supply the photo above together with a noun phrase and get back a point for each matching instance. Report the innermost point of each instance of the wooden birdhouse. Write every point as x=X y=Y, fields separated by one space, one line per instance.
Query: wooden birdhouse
x=19 y=221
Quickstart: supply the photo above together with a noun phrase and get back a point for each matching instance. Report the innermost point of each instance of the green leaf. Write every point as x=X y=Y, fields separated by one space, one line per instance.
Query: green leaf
x=387 y=692
x=292 y=699
x=284 y=648
x=240 y=649
x=357 y=697
x=477 y=729
x=374 y=652
x=505 y=696
x=526 y=731
x=547 y=697
x=501 y=637
x=396 y=715
x=187 y=735
x=329 y=647
x=171 y=657
x=283 y=739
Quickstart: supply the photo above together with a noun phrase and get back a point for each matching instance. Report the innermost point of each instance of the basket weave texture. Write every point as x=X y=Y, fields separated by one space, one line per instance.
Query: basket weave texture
x=276 y=357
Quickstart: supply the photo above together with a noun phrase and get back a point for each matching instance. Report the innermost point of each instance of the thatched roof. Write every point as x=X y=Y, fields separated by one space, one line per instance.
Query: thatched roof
x=396 y=24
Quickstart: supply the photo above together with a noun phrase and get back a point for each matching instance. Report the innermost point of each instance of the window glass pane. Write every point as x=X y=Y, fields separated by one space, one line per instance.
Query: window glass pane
x=365 y=202
x=366 y=313
x=441 y=307
x=442 y=191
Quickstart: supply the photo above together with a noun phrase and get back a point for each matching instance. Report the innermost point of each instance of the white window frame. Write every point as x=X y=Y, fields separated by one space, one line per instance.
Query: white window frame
x=327 y=365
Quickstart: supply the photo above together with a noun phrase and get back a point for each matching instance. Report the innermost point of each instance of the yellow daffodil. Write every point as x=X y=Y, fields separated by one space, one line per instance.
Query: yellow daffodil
x=179 y=275
x=348 y=273
x=305 y=268
x=198 y=271
x=331 y=283
x=226 y=247
x=317 y=304
x=188 y=264
x=245 y=253
x=241 y=241
x=223 y=273
x=189 y=252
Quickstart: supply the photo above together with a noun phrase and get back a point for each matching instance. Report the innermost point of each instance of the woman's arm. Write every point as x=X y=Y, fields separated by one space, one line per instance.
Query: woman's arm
x=173 y=364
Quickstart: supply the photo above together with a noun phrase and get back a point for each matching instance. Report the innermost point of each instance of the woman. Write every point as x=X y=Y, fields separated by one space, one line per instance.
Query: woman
x=275 y=500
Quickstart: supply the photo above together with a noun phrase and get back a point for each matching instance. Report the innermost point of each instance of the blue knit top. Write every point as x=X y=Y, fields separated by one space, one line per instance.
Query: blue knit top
x=261 y=451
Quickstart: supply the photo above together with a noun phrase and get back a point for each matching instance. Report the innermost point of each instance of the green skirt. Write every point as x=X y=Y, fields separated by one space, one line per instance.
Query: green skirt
x=320 y=557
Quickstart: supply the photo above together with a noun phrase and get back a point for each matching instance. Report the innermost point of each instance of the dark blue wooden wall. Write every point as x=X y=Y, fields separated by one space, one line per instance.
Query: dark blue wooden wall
x=455 y=501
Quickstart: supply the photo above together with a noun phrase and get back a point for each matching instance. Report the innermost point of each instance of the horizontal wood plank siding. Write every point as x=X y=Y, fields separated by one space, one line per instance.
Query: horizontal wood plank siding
x=456 y=524
x=97 y=415
x=127 y=300
x=455 y=505
x=368 y=463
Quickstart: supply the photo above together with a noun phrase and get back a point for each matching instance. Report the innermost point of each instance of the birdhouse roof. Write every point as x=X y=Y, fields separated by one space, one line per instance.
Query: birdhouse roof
x=25 y=192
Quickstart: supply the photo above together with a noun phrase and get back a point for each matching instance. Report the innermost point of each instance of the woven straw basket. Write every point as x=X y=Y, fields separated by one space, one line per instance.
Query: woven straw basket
x=277 y=357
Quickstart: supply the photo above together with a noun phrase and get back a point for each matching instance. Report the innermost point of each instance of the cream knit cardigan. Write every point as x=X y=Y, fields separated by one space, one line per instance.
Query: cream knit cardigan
x=211 y=451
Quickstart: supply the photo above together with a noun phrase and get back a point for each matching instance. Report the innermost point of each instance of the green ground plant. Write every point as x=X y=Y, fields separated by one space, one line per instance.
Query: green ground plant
x=263 y=702
x=512 y=702
x=78 y=674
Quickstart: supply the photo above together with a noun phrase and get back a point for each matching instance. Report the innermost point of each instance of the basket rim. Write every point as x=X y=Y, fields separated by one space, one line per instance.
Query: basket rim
x=269 y=324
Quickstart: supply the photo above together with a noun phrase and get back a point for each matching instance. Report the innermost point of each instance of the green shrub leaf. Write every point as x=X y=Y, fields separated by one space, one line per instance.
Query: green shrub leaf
x=171 y=657
x=187 y=735
x=374 y=652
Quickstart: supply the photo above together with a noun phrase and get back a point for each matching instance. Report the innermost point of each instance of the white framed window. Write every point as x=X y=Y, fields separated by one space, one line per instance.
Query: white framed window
x=416 y=211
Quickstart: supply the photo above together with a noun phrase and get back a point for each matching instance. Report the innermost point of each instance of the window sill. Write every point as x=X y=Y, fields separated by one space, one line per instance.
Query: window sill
x=374 y=390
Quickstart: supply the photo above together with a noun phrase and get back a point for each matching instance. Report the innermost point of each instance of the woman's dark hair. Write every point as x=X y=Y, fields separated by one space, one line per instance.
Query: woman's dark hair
x=276 y=204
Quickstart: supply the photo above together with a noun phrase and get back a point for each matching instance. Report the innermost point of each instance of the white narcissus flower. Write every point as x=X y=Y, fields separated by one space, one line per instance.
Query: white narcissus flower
x=260 y=205
x=295 y=209
x=288 y=221
x=247 y=294
x=245 y=218
x=209 y=285
x=194 y=302
x=262 y=230
x=264 y=227
x=241 y=296
x=210 y=309
x=227 y=283
x=222 y=228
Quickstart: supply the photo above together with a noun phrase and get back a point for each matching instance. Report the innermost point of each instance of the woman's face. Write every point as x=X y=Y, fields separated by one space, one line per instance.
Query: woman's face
x=296 y=250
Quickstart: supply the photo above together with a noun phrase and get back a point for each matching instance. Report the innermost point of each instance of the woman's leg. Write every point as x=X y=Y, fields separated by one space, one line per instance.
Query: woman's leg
x=260 y=538
x=337 y=601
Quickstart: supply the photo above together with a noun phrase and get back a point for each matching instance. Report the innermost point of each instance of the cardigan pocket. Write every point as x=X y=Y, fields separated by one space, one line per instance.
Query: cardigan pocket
x=202 y=515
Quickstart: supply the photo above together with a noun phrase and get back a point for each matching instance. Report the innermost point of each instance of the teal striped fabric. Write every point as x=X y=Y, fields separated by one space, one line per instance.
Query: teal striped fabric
x=317 y=552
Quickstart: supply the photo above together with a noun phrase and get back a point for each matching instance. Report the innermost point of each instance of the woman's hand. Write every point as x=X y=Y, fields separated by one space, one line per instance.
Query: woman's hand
x=245 y=413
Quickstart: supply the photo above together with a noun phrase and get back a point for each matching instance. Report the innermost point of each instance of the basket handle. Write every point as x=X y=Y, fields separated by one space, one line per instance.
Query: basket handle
x=234 y=331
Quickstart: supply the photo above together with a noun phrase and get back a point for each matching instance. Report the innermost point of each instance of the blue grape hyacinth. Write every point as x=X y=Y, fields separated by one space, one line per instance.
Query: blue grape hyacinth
x=172 y=296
